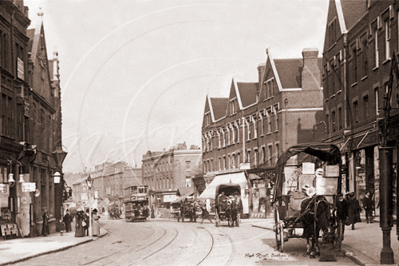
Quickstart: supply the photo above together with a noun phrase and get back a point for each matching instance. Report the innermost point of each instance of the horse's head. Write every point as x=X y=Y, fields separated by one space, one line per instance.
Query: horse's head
x=317 y=204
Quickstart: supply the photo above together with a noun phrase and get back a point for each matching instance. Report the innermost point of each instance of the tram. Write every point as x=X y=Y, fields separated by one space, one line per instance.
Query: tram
x=136 y=205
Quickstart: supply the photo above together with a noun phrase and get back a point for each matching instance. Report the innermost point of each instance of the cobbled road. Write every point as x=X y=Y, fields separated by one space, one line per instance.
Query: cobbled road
x=171 y=243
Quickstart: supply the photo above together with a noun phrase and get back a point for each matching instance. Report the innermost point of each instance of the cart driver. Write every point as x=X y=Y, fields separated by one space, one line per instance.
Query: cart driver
x=308 y=190
x=223 y=200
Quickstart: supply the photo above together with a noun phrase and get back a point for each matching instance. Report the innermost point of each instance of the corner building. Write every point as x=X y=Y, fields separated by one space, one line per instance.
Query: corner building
x=360 y=39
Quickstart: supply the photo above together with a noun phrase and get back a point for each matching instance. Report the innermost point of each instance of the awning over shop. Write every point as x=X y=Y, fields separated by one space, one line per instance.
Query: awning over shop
x=182 y=198
x=181 y=191
x=235 y=178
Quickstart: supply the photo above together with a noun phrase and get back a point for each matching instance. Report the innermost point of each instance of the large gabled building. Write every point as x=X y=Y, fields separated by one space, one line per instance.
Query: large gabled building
x=261 y=119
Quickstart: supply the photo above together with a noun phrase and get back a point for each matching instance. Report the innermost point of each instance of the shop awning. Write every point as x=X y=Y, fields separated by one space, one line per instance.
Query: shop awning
x=235 y=178
x=182 y=198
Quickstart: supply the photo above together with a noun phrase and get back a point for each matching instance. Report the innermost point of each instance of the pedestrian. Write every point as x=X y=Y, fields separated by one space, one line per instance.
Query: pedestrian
x=368 y=207
x=153 y=211
x=194 y=213
x=67 y=221
x=342 y=212
x=353 y=210
x=80 y=224
x=205 y=214
x=96 y=224
x=45 y=229
x=86 y=222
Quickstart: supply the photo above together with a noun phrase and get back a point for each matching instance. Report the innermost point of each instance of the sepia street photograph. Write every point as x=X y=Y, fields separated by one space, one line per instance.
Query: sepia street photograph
x=198 y=132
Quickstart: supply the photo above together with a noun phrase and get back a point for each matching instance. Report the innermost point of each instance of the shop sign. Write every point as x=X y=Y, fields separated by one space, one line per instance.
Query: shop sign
x=3 y=188
x=29 y=187
x=20 y=68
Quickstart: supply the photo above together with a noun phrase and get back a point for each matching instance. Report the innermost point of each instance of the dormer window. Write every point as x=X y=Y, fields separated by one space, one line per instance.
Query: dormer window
x=233 y=106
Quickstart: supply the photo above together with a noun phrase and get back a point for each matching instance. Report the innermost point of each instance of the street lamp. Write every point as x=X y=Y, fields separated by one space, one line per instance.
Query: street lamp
x=89 y=183
x=57 y=177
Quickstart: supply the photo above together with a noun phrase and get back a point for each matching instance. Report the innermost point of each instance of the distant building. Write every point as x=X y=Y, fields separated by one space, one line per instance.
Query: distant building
x=164 y=172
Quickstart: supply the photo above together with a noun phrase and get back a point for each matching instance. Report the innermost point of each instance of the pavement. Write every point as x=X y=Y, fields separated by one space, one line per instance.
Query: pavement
x=362 y=245
x=20 y=249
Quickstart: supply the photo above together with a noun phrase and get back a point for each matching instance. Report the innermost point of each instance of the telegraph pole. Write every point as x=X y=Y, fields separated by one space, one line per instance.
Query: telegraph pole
x=386 y=162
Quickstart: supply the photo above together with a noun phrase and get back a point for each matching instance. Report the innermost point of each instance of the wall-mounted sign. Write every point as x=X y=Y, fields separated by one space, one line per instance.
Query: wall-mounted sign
x=20 y=69
x=3 y=188
x=28 y=187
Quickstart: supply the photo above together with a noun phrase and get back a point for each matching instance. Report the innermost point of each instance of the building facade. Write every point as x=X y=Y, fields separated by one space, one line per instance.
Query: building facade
x=164 y=172
x=361 y=38
x=30 y=119
x=261 y=119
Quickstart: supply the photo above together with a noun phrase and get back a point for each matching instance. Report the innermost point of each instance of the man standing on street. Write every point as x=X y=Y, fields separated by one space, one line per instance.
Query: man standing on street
x=342 y=212
x=45 y=230
x=67 y=220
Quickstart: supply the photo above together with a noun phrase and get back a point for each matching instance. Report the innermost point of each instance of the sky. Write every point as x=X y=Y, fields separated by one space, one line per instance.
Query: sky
x=135 y=74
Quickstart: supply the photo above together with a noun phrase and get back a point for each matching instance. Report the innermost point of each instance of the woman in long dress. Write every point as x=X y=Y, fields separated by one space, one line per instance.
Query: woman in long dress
x=96 y=224
x=79 y=230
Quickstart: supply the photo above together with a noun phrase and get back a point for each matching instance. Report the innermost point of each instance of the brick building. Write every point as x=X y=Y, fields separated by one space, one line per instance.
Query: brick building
x=30 y=122
x=261 y=119
x=360 y=39
x=164 y=172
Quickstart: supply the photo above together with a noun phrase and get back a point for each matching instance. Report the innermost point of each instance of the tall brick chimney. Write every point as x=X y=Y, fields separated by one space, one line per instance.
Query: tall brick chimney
x=311 y=71
x=261 y=75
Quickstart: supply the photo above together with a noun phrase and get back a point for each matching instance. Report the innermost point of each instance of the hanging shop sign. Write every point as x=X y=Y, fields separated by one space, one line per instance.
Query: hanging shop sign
x=29 y=187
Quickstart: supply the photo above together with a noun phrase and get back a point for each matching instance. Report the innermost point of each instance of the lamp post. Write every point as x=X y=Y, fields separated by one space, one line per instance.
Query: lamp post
x=89 y=183
x=59 y=156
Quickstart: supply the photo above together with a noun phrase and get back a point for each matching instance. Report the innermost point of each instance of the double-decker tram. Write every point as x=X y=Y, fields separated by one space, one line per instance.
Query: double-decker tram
x=136 y=204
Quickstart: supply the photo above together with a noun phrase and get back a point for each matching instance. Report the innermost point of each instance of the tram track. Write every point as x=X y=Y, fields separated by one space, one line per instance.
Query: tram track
x=129 y=247
x=210 y=250
x=157 y=251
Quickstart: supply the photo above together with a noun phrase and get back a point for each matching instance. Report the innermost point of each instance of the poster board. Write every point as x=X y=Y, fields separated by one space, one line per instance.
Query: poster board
x=326 y=186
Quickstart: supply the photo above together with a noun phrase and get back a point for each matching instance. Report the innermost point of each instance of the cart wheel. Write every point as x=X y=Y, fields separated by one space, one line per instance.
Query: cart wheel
x=279 y=231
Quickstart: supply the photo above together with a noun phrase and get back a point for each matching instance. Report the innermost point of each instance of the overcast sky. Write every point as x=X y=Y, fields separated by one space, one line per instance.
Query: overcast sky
x=135 y=74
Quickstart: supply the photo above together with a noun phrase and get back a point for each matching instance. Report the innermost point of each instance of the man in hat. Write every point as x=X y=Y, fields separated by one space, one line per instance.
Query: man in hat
x=45 y=217
x=67 y=220
x=342 y=212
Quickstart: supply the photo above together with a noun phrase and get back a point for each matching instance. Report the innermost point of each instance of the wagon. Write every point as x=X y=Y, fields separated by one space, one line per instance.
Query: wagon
x=225 y=211
x=305 y=168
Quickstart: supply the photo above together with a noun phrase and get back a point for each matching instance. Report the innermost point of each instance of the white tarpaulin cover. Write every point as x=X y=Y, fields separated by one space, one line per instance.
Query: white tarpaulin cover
x=235 y=178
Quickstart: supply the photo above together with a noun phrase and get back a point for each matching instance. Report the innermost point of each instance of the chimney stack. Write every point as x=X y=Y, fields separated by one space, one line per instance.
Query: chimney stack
x=310 y=72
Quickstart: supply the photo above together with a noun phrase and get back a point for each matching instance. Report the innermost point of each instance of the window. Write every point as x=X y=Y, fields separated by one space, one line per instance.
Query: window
x=232 y=106
x=188 y=181
x=233 y=161
x=333 y=122
x=220 y=163
x=248 y=129
x=354 y=63
x=377 y=106
x=366 y=107
x=277 y=151
x=332 y=32
x=270 y=154
x=249 y=157
x=376 y=52
x=255 y=127
x=261 y=124
x=356 y=111
x=263 y=155
x=238 y=159
x=328 y=123
x=224 y=162
x=365 y=57
x=256 y=158
x=387 y=38
x=228 y=162
x=276 y=108
x=340 y=118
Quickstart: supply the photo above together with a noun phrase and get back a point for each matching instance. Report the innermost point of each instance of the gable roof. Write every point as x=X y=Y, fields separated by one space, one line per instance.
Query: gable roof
x=352 y=11
x=218 y=105
x=288 y=71
x=247 y=91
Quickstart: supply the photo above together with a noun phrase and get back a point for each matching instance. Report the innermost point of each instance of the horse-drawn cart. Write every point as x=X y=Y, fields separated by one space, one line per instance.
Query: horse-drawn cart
x=308 y=180
x=225 y=203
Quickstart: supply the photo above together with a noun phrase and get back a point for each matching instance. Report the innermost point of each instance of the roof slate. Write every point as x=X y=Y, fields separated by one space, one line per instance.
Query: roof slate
x=219 y=106
x=247 y=92
x=353 y=11
x=288 y=71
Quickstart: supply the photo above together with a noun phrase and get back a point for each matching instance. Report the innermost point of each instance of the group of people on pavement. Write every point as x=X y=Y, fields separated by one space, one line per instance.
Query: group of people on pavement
x=81 y=225
x=348 y=209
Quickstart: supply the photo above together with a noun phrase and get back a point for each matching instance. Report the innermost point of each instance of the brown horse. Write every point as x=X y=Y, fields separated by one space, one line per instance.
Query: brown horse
x=315 y=216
